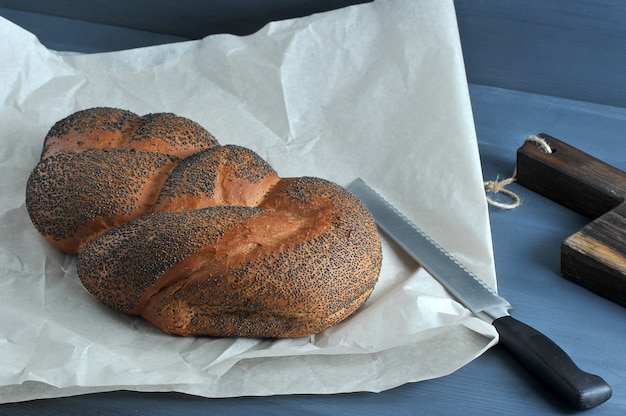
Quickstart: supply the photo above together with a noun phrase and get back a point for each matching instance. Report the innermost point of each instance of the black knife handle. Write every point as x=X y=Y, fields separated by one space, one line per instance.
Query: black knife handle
x=551 y=365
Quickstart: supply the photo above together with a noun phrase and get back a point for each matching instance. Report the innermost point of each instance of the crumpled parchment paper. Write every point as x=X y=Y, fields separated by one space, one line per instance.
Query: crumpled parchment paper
x=376 y=91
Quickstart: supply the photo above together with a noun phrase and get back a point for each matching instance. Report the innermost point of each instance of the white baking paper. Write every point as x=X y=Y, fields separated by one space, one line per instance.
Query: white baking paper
x=376 y=91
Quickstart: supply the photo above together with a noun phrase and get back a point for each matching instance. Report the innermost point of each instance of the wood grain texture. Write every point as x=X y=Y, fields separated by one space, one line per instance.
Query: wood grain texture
x=571 y=177
x=594 y=257
x=547 y=47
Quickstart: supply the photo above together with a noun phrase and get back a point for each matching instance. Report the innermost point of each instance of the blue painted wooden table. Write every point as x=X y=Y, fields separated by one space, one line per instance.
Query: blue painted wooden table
x=533 y=66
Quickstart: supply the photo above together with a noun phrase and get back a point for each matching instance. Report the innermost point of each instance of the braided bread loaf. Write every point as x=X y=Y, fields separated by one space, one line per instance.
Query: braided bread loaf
x=196 y=237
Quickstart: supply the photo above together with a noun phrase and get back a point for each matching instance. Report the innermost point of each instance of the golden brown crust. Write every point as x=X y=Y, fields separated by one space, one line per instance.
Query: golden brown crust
x=102 y=167
x=87 y=129
x=74 y=197
x=223 y=175
x=217 y=271
x=112 y=128
x=198 y=238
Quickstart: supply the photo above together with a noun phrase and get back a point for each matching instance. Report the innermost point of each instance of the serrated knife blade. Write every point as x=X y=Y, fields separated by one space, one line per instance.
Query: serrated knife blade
x=536 y=352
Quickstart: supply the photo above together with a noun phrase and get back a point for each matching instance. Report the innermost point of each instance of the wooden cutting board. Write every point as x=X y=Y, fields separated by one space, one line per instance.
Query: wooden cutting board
x=594 y=257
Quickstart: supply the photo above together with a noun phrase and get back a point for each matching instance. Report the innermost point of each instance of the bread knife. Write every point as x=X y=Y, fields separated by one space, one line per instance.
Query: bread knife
x=533 y=350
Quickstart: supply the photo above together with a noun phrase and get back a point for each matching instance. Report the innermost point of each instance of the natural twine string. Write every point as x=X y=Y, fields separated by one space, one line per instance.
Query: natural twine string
x=499 y=186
